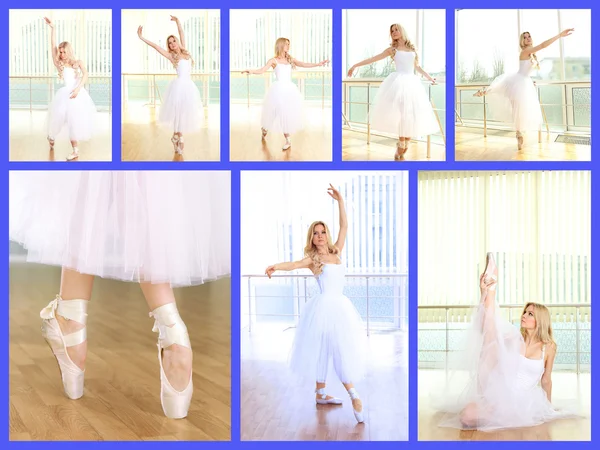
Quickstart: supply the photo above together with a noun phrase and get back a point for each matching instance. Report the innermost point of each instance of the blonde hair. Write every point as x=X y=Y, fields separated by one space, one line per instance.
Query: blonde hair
x=533 y=56
x=407 y=43
x=279 y=52
x=71 y=60
x=543 y=323
x=176 y=56
x=310 y=250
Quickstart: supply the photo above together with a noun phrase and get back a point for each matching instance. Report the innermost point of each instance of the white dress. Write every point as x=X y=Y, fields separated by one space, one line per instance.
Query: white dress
x=77 y=114
x=330 y=329
x=514 y=99
x=181 y=109
x=282 y=110
x=402 y=105
x=154 y=226
x=500 y=381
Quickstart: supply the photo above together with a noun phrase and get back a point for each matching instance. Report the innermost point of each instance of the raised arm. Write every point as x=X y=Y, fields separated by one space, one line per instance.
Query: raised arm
x=53 y=48
x=309 y=65
x=547 y=43
x=156 y=47
x=287 y=266
x=341 y=240
x=180 y=31
x=387 y=52
x=547 y=376
x=420 y=70
x=270 y=63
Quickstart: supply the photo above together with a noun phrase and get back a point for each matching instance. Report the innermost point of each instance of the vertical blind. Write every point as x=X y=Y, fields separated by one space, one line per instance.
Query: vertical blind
x=537 y=224
x=88 y=31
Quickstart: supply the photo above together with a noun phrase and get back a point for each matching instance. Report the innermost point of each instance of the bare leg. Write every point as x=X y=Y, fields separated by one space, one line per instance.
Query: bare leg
x=519 y=140
x=74 y=153
x=74 y=286
x=177 y=359
x=321 y=385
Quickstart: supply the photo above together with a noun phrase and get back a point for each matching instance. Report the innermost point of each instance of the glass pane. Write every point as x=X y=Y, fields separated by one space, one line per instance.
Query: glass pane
x=433 y=51
x=542 y=24
x=578 y=46
x=582 y=111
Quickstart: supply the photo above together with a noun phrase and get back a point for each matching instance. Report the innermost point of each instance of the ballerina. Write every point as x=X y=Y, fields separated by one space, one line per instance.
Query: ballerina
x=402 y=105
x=282 y=108
x=181 y=108
x=514 y=97
x=510 y=382
x=330 y=327
x=72 y=106
x=127 y=226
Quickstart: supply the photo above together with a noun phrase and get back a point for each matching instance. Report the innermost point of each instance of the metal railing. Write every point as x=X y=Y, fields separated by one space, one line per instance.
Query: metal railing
x=39 y=91
x=305 y=296
x=368 y=83
x=302 y=76
x=149 y=86
x=447 y=315
x=568 y=107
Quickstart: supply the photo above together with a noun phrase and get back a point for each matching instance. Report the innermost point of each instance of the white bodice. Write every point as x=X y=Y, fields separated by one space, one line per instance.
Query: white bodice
x=283 y=72
x=530 y=372
x=184 y=68
x=331 y=280
x=525 y=67
x=405 y=62
x=70 y=77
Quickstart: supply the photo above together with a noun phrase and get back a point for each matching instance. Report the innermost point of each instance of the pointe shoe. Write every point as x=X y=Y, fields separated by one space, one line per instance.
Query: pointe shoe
x=264 y=133
x=324 y=400
x=358 y=413
x=180 y=146
x=171 y=330
x=74 y=154
x=175 y=141
x=287 y=144
x=479 y=93
x=51 y=142
x=72 y=375
x=519 y=140
x=398 y=156
x=491 y=270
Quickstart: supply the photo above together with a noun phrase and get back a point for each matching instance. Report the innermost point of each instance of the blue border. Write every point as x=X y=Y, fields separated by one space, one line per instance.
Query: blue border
x=337 y=164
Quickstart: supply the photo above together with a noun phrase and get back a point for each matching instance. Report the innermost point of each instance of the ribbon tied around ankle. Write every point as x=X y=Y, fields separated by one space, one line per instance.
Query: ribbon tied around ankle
x=48 y=312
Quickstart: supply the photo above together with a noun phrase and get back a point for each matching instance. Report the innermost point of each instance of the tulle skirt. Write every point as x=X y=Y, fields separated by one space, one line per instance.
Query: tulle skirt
x=282 y=110
x=514 y=99
x=402 y=107
x=182 y=110
x=151 y=226
x=330 y=330
x=491 y=383
x=77 y=114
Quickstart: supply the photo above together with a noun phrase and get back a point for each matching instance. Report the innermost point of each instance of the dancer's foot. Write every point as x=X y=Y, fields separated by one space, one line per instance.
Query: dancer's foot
x=323 y=399
x=480 y=93
x=264 y=133
x=51 y=142
x=399 y=155
x=491 y=271
x=519 y=140
x=287 y=145
x=64 y=328
x=180 y=146
x=357 y=405
x=177 y=363
x=74 y=154
x=175 y=142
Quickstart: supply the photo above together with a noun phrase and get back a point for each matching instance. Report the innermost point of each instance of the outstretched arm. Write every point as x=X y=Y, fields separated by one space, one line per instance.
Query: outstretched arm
x=179 y=30
x=547 y=376
x=547 y=43
x=287 y=266
x=341 y=240
x=419 y=69
x=156 y=47
x=53 y=48
x=387 y=52
x=270 y=63
x=309 y=65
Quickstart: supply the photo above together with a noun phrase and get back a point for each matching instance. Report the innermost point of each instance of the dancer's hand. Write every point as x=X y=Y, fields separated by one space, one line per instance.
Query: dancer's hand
x=140 y=28
x=433 y=82
x=270 y=270
x=75 y=92
x=174 y=19
x=245 y=71
x=49 y=22
x=351 y=71
x=567 y=32
x=484 y=283
x=324 y=63
x=334 y=193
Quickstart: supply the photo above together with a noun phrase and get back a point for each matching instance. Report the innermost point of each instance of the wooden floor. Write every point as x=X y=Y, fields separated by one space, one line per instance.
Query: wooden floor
x=502 y=146
x=565 y=387
x=144 y=139
x=313 y=143
x=276 y=407
x=355 y=148
x=122 y=387
x=28 y=139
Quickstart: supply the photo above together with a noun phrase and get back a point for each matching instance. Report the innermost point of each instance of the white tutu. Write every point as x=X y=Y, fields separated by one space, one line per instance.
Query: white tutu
x=282 y=110
x=493 y=379
x=151 y=226
x=181 y=109
x=402 y=106
x=330 y=330
x=76 y=114
x=513 y=99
